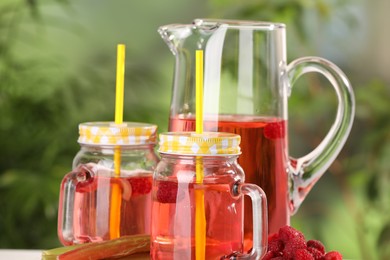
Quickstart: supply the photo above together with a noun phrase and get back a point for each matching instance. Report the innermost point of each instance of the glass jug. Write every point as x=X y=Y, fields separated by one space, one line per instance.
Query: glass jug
x=247 y=82
x=198 y=185
x=108 y=192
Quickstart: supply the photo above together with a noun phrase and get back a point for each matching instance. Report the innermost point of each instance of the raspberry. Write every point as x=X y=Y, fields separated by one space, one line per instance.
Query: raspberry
x=293 y=245
x=290 y=244
x=140 y=185
x=275 y=130
x=273 y=236
x=333 y=255
x=271 y=255
x=274 y=244
x=317 y=245
x=315 y=253
x=287 y=233
x=303 y=254
x=167 y=192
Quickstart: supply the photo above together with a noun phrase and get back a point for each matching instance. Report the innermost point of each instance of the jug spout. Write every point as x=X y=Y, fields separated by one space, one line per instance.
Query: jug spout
x=188 y=36
x=174 y=35
x=184 y=40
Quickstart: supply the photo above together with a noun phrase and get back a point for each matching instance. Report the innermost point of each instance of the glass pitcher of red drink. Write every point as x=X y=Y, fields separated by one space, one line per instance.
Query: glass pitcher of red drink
x=247 y=83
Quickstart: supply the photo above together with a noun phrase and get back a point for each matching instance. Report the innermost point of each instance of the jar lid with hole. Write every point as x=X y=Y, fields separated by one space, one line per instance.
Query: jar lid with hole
x=109 y=133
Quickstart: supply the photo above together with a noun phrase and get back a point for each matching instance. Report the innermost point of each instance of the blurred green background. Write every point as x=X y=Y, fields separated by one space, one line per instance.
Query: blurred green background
x=57 y=69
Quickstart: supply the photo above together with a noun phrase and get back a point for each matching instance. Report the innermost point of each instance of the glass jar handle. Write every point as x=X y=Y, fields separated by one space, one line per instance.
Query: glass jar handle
x=306 y=170
x=260 y=219
x=66 y=202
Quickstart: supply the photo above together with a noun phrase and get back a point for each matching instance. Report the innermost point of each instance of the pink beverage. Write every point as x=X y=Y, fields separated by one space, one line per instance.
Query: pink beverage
x=264 y=160
x=173 y=201
x=107 y=193
x=246 y=86
x=92 y=202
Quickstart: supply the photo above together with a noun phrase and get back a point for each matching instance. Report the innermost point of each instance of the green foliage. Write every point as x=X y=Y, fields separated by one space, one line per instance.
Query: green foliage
x=42 y=102
x=349 y=207
x=41 y=106
x=372 y=160
x=290 y=12
x=33 y=140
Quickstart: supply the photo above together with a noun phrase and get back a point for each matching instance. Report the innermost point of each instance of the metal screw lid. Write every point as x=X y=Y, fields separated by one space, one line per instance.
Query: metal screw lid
x=205 y=144
x=109 y=133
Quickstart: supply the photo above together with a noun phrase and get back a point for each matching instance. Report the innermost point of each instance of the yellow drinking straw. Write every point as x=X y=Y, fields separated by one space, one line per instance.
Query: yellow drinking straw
x=116 y=194
x=200 y=220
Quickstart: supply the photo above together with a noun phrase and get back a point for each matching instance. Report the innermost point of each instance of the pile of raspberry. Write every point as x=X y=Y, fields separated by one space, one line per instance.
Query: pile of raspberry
x=290 y=244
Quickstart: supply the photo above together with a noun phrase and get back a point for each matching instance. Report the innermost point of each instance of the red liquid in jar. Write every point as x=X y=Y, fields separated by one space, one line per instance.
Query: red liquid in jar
x=173 y=234
x=264 y=160
x=91 y=214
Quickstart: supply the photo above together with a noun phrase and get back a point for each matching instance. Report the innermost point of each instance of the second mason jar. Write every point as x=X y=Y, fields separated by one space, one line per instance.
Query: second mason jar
x=198 y=204
x=107 y=194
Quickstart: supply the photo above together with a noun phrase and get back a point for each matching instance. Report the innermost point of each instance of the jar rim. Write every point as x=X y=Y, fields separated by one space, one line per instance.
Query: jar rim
x=109 y=133
x=204 y=144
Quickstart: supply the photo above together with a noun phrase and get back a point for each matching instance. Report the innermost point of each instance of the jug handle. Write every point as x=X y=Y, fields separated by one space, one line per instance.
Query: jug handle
x=66 y=202
x=306 y=170
x=260 y=220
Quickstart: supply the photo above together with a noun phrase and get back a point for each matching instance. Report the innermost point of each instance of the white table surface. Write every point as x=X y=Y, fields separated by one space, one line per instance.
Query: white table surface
x=14 y=254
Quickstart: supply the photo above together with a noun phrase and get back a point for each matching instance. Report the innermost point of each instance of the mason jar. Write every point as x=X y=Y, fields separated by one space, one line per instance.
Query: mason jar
x=198 y=199
x=108 y=192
